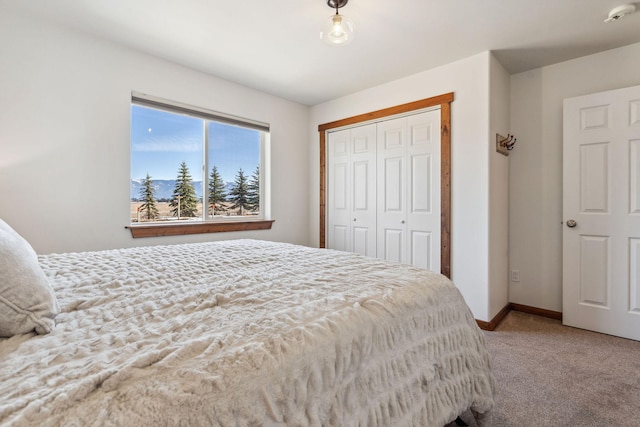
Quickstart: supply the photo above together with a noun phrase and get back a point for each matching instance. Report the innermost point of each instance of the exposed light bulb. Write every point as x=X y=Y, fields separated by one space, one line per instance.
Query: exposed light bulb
x=339 y=30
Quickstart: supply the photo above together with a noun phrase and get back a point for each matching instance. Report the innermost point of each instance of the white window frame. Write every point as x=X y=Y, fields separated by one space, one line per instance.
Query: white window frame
x=264 y=215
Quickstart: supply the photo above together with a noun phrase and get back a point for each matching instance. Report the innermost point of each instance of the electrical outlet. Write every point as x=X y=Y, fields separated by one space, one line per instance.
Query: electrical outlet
x=515 y=275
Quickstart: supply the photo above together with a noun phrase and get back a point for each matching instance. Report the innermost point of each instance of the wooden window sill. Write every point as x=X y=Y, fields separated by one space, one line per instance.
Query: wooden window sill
x=157 y=230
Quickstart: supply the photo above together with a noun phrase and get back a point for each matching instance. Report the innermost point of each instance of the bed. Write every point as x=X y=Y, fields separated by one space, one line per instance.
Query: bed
x=244 y=333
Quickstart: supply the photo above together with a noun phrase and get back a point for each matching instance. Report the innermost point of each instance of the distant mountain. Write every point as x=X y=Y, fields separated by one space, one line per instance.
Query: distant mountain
x=164 y=188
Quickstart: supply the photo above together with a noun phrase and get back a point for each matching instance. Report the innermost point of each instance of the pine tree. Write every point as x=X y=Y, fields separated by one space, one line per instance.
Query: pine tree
x=146 y=195
x=253 y=191
x=238 y=194
x=217 y=194
x=184 y=201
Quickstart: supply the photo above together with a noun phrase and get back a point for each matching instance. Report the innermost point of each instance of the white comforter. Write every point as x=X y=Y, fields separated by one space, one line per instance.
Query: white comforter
x=245 y=333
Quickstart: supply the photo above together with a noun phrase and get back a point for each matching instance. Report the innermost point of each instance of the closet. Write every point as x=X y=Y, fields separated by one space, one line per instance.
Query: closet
x=383 y=189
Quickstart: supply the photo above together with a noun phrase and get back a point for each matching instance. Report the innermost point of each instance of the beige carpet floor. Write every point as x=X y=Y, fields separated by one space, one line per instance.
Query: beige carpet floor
x=553 y=375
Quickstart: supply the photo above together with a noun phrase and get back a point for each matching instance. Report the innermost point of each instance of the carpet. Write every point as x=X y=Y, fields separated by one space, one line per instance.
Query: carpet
x=552 y=375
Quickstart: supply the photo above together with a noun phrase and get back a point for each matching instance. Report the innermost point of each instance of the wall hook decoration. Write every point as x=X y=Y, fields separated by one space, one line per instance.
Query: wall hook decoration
x=505 y=144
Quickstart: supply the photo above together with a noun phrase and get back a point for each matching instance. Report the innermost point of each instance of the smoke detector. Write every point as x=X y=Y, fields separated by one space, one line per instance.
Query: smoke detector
x=620 y=11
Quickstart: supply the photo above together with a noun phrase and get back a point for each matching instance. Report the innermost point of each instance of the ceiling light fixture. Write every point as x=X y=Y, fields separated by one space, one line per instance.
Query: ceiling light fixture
x=620 y=11
x=339 y=29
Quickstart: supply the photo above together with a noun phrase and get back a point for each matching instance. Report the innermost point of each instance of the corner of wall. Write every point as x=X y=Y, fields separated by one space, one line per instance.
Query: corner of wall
x=499 y=123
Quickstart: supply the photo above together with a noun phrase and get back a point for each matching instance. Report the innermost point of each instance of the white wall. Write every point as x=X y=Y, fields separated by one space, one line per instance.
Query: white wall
x=469 y=80
x=64 y=137
x=536 y=164
x=499 y=88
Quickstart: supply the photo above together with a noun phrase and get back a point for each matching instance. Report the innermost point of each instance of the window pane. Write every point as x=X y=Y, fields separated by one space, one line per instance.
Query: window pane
x=234 y=170
x=167 y=148
x=189 y=166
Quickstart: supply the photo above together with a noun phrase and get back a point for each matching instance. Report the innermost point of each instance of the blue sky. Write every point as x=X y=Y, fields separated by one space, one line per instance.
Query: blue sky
x=160 y=141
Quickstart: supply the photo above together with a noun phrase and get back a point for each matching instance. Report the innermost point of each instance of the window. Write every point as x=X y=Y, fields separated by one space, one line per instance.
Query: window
x=194 y=166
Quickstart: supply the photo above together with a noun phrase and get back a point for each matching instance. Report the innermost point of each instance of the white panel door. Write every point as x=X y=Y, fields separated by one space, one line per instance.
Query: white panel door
x=409 y=190
x=363 y=190
x=339 y=192
x=601 y=212
x=423 y=190
x=392 y=185
x=351 y=202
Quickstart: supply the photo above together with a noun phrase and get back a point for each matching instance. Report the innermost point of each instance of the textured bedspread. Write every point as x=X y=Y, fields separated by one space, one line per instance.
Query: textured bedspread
x=245 y=333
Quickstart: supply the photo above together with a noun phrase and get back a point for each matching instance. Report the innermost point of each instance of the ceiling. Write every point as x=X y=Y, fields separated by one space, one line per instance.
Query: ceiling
x=274 y=46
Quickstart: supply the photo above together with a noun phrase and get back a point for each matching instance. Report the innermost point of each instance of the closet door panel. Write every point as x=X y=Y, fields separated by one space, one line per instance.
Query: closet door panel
x=392 y=244
x=420 y=249
x=363 y=189
x=351 y=202
x=362 y=239
x=423 y=177
x=340 y=186
x=363 y=221
x=392 y=134
x=339 y=194
x=420 y=187
x=340 y=238
x=392 y=184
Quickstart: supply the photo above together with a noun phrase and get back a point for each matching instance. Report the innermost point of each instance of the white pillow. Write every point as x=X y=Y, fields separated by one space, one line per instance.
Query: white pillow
x=27 y=302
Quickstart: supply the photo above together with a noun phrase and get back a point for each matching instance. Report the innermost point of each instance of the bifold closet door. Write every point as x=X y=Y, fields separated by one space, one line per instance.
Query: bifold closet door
x=408 y=190
x=351 y=201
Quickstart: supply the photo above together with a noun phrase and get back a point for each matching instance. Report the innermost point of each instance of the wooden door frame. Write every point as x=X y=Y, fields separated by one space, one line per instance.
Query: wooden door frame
x=444 y=101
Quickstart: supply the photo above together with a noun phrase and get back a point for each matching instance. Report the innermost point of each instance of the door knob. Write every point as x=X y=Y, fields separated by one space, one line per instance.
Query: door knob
x=354 y=219
x=571 y=223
